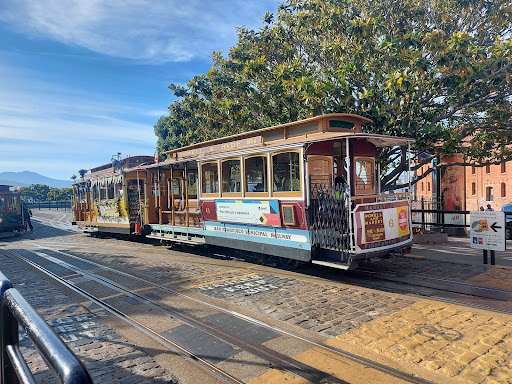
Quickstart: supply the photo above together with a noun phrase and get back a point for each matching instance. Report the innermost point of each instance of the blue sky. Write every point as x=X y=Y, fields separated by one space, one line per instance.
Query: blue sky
x=81 y=80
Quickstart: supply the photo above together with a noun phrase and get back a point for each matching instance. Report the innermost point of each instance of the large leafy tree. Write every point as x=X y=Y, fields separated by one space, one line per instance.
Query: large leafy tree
x=434 y=70
x=41 y=192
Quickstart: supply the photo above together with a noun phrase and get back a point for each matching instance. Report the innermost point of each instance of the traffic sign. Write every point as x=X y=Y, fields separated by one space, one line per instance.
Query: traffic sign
x=487 y=230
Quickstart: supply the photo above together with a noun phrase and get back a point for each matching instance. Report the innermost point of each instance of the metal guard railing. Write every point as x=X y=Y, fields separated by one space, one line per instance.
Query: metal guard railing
x=61 y=361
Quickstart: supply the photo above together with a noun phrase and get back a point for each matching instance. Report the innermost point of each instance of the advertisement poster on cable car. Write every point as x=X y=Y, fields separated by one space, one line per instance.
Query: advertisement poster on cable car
x=382 y=225
x=248 y=212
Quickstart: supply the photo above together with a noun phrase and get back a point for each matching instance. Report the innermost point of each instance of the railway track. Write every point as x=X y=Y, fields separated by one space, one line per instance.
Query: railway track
x=154 y=298
x=459 y=292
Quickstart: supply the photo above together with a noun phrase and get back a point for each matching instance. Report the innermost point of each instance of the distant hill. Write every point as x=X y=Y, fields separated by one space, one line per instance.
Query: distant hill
x=25 y=178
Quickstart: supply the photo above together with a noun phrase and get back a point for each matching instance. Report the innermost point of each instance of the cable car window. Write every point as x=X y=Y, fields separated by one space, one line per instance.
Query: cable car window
x=176 y=188
x=119 y=190
x=110 y=189
x=192 y=185
x=286 y=172
x=231 y=181
x=209 y=178
x=256 y=174
x=2 y=203
x=12 y=203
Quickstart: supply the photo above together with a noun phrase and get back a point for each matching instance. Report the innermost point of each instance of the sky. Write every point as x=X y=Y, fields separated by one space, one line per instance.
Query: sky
x=81 y=80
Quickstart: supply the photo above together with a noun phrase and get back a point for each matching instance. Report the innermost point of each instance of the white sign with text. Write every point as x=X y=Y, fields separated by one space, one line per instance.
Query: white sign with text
x=487 y=230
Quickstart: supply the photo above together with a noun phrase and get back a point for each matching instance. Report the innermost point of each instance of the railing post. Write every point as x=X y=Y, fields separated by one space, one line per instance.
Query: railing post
x=8 y=334
x=423 y=213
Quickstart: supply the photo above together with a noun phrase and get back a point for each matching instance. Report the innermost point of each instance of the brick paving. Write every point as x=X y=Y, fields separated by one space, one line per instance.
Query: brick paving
x=323 y=308
x=108 y=356
x=457 y=342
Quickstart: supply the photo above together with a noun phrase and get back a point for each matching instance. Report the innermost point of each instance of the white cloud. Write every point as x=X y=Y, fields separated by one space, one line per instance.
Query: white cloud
x=54 y=130
x=155 y=31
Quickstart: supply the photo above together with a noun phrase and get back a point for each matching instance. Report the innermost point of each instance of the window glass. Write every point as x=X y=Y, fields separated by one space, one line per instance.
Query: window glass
x=119 y=190
x=176 y=187
x=103 y=193
x=286 y=172
x=209 y=178
x=365 y=178
x=2 y=203
x=489 y=195
x=110 y=189
x=154 y=184
x=256 y=174
x=12 y=203
x=192 y=184
x=231 y=176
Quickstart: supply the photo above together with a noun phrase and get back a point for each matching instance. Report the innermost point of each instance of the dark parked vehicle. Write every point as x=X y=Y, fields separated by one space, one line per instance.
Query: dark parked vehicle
x=507 y=208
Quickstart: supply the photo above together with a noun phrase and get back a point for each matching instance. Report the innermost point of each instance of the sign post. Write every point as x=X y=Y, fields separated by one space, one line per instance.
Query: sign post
x=487 y=232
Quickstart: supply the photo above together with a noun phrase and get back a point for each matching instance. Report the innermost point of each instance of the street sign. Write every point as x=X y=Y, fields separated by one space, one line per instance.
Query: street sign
x=487 y=230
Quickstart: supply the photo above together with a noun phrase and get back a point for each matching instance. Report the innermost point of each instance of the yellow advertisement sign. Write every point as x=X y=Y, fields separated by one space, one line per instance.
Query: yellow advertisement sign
x=403 y=221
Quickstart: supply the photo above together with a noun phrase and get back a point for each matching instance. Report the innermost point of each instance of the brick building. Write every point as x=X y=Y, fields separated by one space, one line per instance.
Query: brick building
x=468 y=188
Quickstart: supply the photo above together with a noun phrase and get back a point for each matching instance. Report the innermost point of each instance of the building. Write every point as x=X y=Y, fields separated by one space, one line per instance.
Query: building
x=467 y=187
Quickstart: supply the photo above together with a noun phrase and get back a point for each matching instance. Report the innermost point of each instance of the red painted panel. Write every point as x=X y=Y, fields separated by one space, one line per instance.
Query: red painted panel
x=324 y=148
x=209 y=211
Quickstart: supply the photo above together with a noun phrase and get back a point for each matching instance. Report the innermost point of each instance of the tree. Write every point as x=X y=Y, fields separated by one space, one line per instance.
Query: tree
x=435 y=71
x=40 y=192
x=73 y=177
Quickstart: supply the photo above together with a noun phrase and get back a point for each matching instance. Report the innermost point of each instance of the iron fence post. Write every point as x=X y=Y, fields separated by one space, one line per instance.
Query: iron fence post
x=423 y=213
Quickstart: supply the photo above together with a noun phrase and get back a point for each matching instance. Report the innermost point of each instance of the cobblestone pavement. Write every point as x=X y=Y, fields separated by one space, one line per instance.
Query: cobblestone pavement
x=108 y=357
x=454 y=343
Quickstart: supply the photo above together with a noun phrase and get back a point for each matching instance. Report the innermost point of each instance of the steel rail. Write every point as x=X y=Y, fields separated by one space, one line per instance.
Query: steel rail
x=443 y=285
x=189 y=356
x=275 y=358
x=358 y=359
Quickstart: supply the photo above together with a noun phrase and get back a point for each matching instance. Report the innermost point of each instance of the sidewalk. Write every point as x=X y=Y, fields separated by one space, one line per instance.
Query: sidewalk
x=458 y=250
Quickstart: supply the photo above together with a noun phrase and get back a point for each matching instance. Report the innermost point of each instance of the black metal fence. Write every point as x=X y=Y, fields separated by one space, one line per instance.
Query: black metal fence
x=58 y=205
x=62 y=362
x=428 y=214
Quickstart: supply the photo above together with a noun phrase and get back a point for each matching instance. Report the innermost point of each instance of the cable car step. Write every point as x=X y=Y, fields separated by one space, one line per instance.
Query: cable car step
x=335 y=264
x=193 y=240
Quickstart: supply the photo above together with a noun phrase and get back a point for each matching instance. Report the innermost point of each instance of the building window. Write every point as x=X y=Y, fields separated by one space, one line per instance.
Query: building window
x=473 y=170
x=487 y=169
x=503 y=190
x=255 y=169
x=422 y=187
x=231 y=178
x=489 y=194
x=209 y=178
x=503 y=167
x=473 y=188
x=428 y=186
